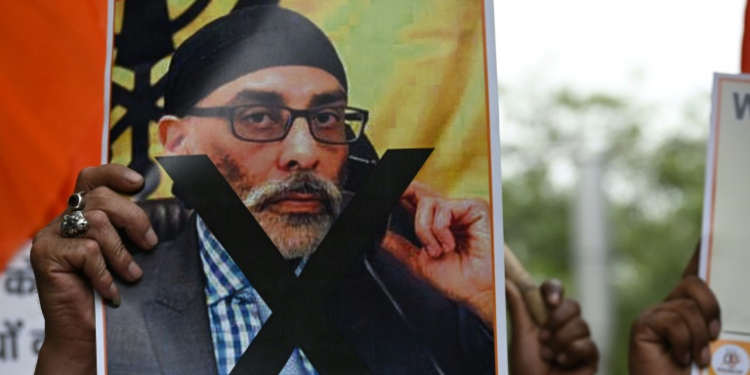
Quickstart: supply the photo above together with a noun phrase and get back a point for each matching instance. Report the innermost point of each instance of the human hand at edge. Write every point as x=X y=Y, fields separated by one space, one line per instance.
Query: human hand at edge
x=667 y=338
x=562 y=346
x=66 y=268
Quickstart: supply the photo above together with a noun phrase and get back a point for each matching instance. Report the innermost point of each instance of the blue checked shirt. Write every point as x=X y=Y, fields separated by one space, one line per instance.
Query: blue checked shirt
x=235 y=310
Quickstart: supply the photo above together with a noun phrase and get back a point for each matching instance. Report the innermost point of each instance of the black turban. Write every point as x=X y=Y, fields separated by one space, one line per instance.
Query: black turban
x=240 y=43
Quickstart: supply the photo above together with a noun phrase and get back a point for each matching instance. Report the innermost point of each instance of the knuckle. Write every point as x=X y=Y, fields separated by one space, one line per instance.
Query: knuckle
x=674 y=320
x=99 y=192
x=119 y=253
x=90 y=248
x=97 y=218
x=138 y=214
x=422 y=231
x=102 y=274
x=40 y=235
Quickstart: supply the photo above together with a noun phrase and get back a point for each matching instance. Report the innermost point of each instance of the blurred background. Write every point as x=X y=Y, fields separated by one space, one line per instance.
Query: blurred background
x=604 y=120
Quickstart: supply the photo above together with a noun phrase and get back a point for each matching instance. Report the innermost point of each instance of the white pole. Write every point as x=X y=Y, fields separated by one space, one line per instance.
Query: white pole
x=591 y=254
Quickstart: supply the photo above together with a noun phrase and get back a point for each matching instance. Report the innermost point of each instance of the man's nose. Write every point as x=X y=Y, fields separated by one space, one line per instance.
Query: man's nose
x=300 y=151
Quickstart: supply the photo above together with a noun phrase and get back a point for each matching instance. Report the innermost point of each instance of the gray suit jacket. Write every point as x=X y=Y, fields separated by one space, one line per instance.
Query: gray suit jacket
x=396 y=323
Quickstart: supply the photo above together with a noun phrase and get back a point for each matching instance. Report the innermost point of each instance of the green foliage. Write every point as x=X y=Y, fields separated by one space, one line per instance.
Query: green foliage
x=654 y=183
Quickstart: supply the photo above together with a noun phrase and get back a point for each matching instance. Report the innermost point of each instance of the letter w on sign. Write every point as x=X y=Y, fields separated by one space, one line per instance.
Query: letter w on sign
x=298 y=304
x=741 y=108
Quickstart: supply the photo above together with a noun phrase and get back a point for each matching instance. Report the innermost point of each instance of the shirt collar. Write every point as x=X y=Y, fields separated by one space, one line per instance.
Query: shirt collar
x=223 y=277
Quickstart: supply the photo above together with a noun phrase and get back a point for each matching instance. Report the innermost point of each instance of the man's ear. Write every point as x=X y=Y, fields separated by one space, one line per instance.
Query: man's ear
x=172 y=134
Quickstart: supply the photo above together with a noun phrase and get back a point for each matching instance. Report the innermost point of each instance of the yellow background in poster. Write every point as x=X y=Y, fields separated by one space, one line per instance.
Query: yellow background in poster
x=416 y=65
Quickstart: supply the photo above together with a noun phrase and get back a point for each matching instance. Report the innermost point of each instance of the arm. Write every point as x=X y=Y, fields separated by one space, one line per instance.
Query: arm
x=67 y=268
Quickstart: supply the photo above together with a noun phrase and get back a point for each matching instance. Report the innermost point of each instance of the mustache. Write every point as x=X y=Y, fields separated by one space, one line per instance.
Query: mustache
x=261 y=196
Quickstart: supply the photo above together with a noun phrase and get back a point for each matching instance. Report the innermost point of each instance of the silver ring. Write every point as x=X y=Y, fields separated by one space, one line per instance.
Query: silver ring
x=74 y=225
x=76 y=202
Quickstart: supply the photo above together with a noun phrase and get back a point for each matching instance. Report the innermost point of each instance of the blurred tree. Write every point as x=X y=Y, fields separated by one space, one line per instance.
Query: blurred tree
x=653 y=180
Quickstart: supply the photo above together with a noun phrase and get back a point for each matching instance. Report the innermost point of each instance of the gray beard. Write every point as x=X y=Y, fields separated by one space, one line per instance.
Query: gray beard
x=295 y=235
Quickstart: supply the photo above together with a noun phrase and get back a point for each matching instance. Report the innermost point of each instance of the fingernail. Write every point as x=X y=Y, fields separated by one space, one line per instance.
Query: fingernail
x=562 y=359
x=687 y=359
x=115 y=294
x=134 y=270
x=553 y=298
x=133 y=177
x=547 y=353
x=714 y=328
x=705 y=356
x=544 y=335
x=151 y=238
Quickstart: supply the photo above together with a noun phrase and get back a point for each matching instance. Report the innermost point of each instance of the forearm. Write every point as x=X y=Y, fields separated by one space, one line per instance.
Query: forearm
x=74 y=358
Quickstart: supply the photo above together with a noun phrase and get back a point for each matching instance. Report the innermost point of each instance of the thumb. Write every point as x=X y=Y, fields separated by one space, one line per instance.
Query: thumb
x=692 y=267
x=403 y=250
x=520 y=318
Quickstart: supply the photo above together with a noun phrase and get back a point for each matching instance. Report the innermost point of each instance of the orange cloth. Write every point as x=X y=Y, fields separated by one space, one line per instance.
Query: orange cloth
x=52 y=56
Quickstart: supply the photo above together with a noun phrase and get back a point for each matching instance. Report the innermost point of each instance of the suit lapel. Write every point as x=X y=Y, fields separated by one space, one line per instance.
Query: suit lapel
x=177 y=315
x=374 y=325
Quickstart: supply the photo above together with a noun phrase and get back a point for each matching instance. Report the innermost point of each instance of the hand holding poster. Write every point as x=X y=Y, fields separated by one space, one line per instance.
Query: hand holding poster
x=299 y=243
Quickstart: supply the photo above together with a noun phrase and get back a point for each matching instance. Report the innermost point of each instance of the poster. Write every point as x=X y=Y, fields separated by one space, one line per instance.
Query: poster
x=324 y=179
x=724 y=255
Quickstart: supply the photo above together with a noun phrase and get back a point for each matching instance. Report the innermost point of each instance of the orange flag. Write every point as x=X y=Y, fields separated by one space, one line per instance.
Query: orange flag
x=51 y=108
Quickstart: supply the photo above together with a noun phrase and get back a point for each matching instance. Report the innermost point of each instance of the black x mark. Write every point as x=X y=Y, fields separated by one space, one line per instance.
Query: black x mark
x=298 y=304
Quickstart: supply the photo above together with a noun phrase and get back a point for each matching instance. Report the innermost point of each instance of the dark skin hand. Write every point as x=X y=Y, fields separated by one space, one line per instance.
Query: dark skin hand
x=67 y=268
x=562 y=346
x=667 y=338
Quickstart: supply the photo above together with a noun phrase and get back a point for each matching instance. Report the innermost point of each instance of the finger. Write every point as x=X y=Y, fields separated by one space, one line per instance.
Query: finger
x=573 y=330
x=423 y=226
x=579 y=352
x=692 y=287
x=552 y=292
x=414 y=193
x=441 y=226
x=117 y=256
x=403 y=250
x=82 y=254
x=667 y=329
x=114 y=176
x=123 y=213
x=692 y=267
x=559 y=317
x=691 y=315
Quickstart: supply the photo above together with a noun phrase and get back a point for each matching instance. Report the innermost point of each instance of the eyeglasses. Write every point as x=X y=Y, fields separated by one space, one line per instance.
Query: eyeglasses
x=267 y=123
